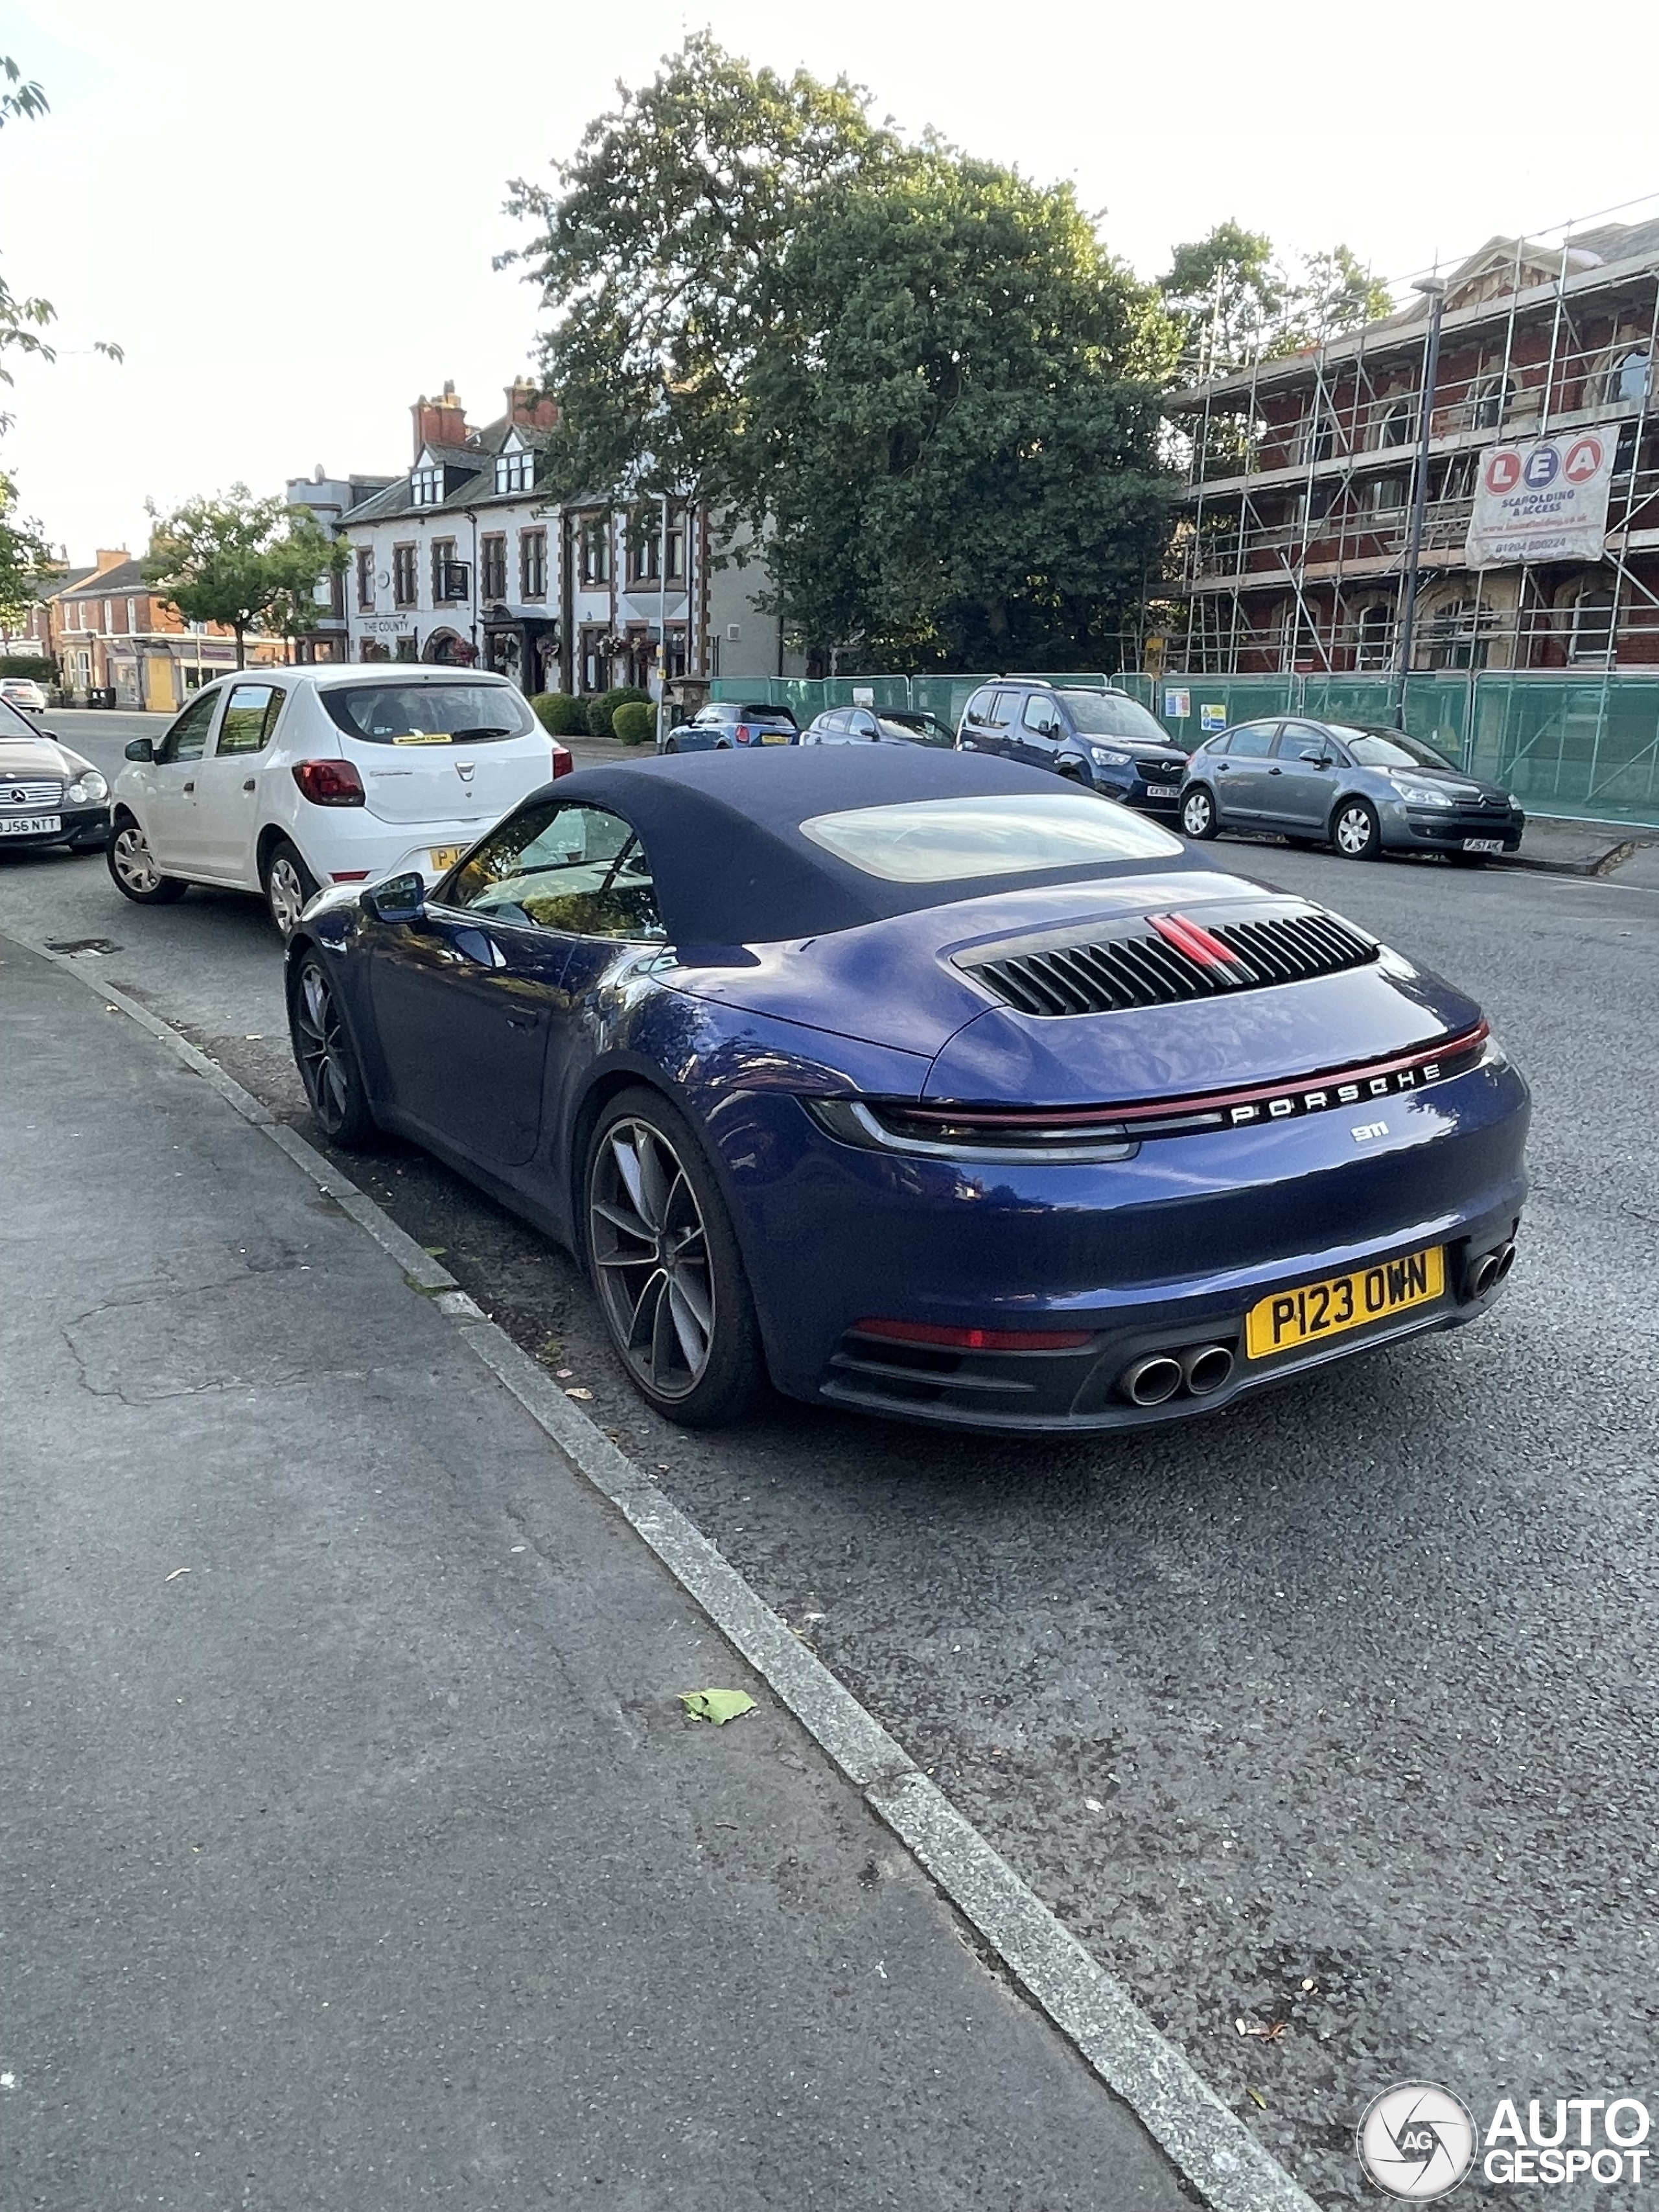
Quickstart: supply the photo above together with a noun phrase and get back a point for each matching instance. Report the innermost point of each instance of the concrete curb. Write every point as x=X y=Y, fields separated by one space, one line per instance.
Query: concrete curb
x=1207 y=2143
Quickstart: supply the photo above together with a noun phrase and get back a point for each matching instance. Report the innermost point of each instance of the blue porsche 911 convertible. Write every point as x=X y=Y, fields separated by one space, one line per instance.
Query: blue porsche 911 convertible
x=918 y=1085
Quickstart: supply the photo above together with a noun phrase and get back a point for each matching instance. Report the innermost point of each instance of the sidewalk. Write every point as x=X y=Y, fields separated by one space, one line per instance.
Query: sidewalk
x=1562 y=847
x=369 y=1861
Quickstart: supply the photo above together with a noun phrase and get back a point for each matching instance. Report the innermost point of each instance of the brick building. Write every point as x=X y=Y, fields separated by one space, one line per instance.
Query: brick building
x=1292 y=529
x=109 y=632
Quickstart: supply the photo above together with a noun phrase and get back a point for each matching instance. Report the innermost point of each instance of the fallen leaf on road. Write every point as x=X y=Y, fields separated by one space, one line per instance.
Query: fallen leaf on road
x=174 y=1575
x=1257 y=2097
x=564 y=1374
x=579 y=1393
x=716 y=1705
x=434 y=1251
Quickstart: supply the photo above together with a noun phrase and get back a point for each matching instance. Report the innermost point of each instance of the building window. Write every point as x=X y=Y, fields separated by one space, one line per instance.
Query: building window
x=1318 y=435
x=1629 y=380
x=365 y=578
x=132 y=616
x=403 y=587
x=425 y=488
x=1490 y=401
x=1373 y=644
x=675 y=650
x=409 y=648
x=1395 y=421
x=1388 y=495
x=1589 y=642
x=1454 y=636
x=644 y=557
x=596 y=550
x=595 y=662
x=1458 y=482
x=492 y=568
x=533 y=564
x=446 y=572
x=515 y=472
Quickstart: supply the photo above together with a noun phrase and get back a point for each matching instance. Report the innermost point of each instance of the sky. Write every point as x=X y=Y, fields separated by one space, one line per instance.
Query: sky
x=287 y=217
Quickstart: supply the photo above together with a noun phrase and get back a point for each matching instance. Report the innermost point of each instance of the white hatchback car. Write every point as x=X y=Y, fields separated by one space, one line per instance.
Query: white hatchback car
x=284 y=779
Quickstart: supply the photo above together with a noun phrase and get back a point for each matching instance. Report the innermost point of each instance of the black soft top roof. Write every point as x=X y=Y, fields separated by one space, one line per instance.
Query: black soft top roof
x=721 y=833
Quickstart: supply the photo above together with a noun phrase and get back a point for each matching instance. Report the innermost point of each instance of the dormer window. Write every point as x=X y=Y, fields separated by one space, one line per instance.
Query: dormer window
x=426 y=487
x=514 y=470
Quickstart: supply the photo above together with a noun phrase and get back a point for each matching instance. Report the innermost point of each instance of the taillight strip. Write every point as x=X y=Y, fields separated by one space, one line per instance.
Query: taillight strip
x=1213 y=1102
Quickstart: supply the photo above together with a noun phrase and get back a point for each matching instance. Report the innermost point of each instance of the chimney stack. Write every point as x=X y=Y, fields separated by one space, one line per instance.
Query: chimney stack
x=440 y=422
x=530 y=409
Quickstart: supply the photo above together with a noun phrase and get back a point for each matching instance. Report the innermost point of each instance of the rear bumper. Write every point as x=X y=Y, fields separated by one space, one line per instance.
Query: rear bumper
x=1168 y=1249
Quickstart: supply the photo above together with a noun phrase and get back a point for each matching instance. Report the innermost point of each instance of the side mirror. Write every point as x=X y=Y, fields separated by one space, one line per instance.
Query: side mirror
x=400 y=898
x=1324 y=760
x=142 y=749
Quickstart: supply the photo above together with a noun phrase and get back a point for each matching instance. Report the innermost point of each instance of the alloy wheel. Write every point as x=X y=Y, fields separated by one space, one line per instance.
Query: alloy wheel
x=1195 y=815
x=133 y=861
x=285 y=894
x=320 y=1043
x=651 y=1258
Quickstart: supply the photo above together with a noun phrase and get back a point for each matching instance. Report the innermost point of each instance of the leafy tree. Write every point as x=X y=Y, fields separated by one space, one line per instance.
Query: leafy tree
x=27 y=561
x=247 y=563
x=959 y=418
x=1235 y=299
x=658 y=252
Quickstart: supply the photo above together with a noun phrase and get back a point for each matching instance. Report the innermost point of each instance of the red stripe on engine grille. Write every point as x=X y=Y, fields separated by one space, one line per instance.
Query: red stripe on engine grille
x=1197 y=944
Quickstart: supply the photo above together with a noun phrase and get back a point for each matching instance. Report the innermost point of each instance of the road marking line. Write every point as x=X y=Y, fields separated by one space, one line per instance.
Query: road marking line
x=1202 y=2137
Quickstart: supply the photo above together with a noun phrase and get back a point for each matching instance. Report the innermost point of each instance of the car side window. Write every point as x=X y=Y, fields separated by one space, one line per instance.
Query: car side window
x=251 y=715
x=831 y=725
x=978 y=709
x=578 y=870
x=1040 y=715
x=187 y=739
x=1005 y=706
x=1254 y=742
x=861 y=723
x=1300 y=741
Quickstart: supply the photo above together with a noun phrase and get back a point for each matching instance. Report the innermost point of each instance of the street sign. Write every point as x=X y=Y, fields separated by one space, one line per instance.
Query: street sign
x=1544 y=501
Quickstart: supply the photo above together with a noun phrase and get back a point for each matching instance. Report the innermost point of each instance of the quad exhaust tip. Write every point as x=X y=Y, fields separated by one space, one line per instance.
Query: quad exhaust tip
x=1198 y=1368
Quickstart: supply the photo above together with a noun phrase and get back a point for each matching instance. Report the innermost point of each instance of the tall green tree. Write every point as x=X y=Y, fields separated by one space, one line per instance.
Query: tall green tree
x=656 y=252
x=959 y=415
x=1236 y=299
x=249 y=563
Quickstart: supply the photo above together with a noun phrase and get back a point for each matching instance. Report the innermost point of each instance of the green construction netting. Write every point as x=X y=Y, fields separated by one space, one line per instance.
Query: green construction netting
x=1568 y=744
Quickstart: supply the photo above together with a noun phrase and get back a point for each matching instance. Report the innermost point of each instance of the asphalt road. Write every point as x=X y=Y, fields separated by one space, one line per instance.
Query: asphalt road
x=1353 y=1686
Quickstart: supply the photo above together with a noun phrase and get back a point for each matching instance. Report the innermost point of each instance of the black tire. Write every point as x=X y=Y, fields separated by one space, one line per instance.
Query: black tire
x=288 y=884
x=1356 y=833
x=1197 y=814
x=132 y=867
x=327 y=1057
x=670 y=747
x=685 y=1332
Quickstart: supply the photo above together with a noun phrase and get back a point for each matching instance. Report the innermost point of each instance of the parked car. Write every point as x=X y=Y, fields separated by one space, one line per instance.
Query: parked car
x=1364 y=791
x=1104 y=739
x=724 y=723
x=739 y=1092
x=49 y=794
x=891 y=726
x=280 y=781
x=22 y=691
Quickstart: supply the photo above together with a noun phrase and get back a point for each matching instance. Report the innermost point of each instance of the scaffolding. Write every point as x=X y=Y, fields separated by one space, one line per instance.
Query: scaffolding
x=1293 y=524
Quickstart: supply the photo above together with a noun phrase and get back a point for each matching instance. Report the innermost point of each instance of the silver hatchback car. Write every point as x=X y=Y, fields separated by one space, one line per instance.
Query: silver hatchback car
x=1362 y=790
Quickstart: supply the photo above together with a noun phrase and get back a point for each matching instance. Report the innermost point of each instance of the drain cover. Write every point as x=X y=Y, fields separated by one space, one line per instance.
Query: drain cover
x=81 y=945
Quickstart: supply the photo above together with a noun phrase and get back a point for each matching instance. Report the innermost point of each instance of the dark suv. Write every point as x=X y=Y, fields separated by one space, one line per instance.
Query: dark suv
x=1101 y=739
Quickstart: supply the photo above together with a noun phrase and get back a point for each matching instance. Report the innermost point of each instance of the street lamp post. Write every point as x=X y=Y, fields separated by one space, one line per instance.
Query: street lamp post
x=1435 y=288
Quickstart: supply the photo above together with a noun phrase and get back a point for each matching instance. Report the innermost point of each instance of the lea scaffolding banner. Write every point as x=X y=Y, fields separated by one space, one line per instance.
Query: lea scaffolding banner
x=1547 y=502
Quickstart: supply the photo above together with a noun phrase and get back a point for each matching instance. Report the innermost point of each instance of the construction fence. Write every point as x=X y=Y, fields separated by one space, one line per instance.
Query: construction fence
x=1575 y=745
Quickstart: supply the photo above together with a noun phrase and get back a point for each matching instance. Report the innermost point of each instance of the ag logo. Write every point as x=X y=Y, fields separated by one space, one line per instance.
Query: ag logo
x=1418 y=2141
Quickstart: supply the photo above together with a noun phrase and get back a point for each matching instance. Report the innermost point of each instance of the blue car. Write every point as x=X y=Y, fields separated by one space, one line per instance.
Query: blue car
x=724 y=723
x=1104 y=739
x=924 y=1084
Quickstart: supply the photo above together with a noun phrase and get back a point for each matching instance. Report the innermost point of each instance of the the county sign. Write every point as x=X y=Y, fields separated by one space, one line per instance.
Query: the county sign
x=1547 y=502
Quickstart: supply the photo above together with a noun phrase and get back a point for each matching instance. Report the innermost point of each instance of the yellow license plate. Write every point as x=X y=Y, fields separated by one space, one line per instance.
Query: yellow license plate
x=444 y=858
x=775 y=737
x=1290 y=1319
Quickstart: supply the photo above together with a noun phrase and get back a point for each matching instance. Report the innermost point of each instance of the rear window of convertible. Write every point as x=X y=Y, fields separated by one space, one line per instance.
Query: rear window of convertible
x=932 y=841
x=426 y=713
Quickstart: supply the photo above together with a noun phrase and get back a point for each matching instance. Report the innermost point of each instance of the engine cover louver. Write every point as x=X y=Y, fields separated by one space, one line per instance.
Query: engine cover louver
x=1160 y=960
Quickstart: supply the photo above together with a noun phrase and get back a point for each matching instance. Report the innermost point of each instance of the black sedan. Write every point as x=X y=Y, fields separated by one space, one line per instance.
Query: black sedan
x=49 y=795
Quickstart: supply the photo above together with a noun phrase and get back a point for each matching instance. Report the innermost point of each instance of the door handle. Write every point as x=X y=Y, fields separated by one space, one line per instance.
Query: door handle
x=191 y=786
x=1275 y=771
x=251 y=784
